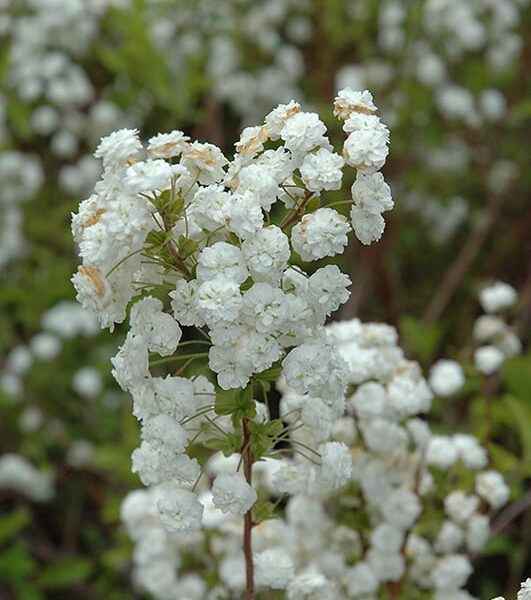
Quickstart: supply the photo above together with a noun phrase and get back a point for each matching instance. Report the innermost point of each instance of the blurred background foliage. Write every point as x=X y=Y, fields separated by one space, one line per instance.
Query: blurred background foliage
x=460 y=181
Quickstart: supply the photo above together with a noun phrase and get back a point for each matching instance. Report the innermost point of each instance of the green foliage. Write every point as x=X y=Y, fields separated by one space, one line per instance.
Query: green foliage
x=65 y=573
x=420 y=339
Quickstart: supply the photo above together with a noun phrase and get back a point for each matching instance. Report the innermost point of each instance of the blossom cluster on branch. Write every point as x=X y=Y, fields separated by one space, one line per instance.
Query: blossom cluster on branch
x=224 y=244
x=414 y=511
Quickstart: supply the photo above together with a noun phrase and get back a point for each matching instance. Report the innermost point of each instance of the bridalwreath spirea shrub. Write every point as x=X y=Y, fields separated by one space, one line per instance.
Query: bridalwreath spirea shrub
x=181 y=237
x=189 y=228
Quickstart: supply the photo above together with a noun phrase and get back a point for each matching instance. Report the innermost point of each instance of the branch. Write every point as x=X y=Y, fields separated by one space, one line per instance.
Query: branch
x=507 y=516
x=181 y=265
x=248 y=517
x=457 y=270
x=300 y=210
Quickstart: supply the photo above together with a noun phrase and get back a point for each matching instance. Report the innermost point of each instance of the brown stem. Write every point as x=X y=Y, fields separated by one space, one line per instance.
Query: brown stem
x=458 y=269
x=513 y=511
x=248 y=517
x=181 y=265
x=300 y=209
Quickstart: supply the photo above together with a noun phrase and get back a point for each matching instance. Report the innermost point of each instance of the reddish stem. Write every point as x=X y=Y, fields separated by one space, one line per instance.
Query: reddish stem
x=298 y=213
x=248 y=517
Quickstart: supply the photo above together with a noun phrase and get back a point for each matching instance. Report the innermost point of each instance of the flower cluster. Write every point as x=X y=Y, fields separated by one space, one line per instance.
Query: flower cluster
x=229 y=241
x=19 y=475
x=496 y=341
x=407 y=515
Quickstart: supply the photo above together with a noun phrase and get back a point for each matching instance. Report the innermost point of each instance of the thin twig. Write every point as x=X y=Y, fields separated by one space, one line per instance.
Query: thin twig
x=248 y=517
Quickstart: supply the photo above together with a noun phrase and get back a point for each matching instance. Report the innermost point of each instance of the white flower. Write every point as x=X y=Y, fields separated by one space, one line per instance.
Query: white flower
x=180 y=510
x=386 y=538
x=310 y=585
x=164 y=432
x=451 y=572
x=369 y=400
x=210 y=206
x=45 y=346
x=212 y=516
x=460 y=506
x=93 y=289
x=371 y=193
x=244 y=214
x=131 y=364
x=294 y=479
x=167 y=145
x=450 y=538
x=251 y=141
x=348 y=101
x=441 y=452
x=231 y=372
x=336 y=465
x=319 y=234
x=446 y=377
x=264 y=307
x=278 y=117
x=367 y=148
x=258 y=179
x=205 y=161
x=491 y=486
x=118 y=146
x=368 y=226
x=184 y=303
x=478 y=532
x=316 y=369
x=388 y=566
x=358 y=121
x=303 y=132
x=497 y=297
x=87 y=382
x=401 y=508
x=148 y=175
x=525 y=590
x=327 y=290
x=232 y=493
x=219 y=298
x=381 y=435
x=266 y=253
x=160 y=331
x=273 y=568
x=153 y=465
x=408 y=392
x=317 y=417
x=224 y=260
x=18 y=474
x=471 y=453
x=488 y=359
x=361 y=580
x=322 y=170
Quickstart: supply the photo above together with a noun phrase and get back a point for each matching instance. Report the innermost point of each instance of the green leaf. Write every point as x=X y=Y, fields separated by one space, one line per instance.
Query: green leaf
x=517 y=374
x=226 y=401
x=313 y=204
x=186 y=245
x=228 y=445
x=521 y=411
x=15 y=563
x=419 y=338
x=263 y=510
x=264 y=436
x=27 y=591
x=271 y=374
x=65 y=572
x=13 y=522
x=237 y=403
